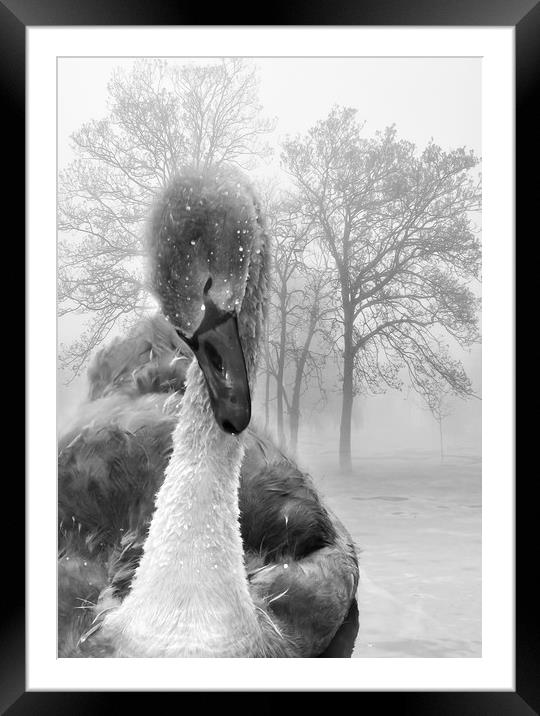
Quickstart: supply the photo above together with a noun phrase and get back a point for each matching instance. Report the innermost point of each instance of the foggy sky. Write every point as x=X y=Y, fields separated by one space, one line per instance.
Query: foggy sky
x=437 y=98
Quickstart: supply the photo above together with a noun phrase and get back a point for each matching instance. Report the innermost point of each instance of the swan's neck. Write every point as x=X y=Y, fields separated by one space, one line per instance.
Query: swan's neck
x=190 y=595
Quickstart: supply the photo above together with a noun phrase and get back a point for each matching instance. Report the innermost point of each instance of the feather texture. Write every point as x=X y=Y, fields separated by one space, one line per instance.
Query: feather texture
x=299 y=570
x=109 y=471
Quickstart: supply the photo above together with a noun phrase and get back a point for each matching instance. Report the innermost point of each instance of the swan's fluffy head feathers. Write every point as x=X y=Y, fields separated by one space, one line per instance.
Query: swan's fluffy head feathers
x=205 y=225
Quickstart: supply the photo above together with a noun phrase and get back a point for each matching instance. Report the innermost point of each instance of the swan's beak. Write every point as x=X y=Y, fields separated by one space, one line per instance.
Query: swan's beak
x=219 y=352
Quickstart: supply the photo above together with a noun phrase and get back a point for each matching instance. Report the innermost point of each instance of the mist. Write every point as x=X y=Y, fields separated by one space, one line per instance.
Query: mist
x=412 y=500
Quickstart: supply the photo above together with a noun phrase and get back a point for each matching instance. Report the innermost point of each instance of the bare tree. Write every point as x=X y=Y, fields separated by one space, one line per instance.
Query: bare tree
x=298 y=304
x=438 y=398
x=221 y=115
x=159 y=118
x=307 y=363
x=290 y=238
x=396 y=225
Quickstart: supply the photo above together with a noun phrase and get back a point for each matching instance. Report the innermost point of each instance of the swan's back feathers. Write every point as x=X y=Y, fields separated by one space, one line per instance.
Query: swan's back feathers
x=281 y=514
x=112 y=459
x=80 y=583
x=108 y=479
x=150 y=359
x=298 y=552
x=90 y=582
x=111 y=465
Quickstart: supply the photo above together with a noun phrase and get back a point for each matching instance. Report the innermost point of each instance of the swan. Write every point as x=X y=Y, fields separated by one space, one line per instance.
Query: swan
x=182 y=531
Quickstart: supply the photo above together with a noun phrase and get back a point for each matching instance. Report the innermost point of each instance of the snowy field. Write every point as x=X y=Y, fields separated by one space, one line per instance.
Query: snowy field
x=417 y=522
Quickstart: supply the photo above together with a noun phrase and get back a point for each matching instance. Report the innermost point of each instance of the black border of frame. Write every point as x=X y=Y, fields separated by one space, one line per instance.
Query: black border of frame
x=524 y=15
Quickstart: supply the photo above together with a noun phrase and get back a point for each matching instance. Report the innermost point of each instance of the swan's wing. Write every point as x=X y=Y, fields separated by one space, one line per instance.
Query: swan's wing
x=150 y=359
x=114 y=452
x=310 y=597
x=91 y=580
x=108 y=476
x=344 y=640
x=281 y=512
x=281 y=515
x=111 y=462
x=301 y=561
x=81 y=579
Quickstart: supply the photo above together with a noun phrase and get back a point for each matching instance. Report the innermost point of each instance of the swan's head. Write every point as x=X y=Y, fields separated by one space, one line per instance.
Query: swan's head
x=204 y=233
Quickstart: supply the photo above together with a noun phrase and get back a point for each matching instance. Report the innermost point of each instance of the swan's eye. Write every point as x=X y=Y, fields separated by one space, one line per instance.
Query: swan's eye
x=214 y=357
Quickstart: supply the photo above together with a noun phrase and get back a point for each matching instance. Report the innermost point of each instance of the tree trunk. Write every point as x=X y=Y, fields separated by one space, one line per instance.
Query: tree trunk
x=294 y=413
x=294 y=422
x=294 y=426
x=267 y=381
x=279 y=404
x=281 y=366
x=441 y=438
x=300 y=368
x=345 y=462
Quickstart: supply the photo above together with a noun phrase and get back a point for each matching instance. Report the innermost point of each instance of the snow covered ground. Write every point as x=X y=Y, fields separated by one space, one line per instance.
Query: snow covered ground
x=417 y=523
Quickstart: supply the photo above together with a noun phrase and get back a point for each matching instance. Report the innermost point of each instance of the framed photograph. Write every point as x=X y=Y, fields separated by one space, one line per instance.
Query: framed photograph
x=380 y=152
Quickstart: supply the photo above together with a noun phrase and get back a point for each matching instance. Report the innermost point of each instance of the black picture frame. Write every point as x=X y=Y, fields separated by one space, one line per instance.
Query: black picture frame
x=524 y=15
